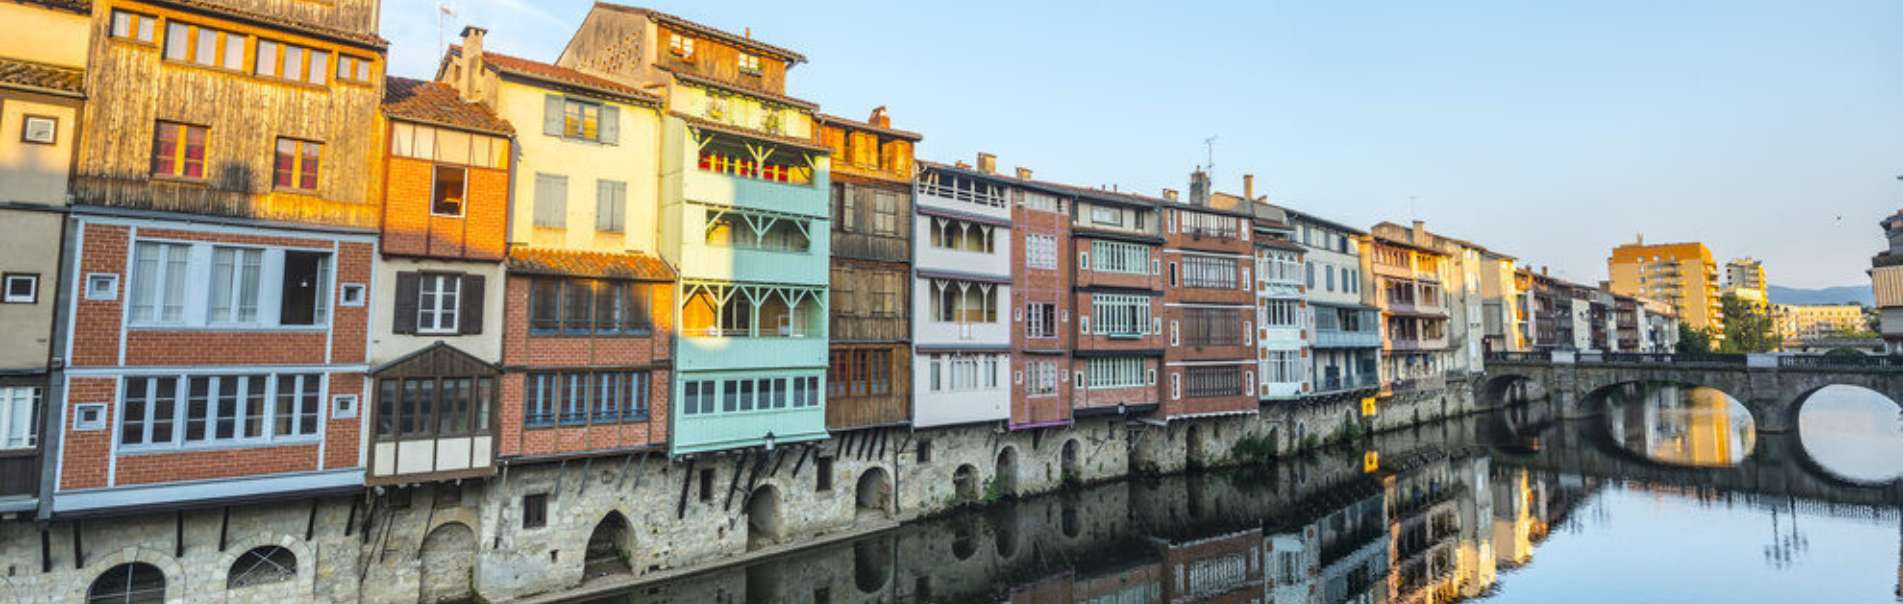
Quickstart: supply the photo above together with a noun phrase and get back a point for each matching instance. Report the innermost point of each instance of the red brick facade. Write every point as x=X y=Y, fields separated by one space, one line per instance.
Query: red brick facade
x=1188 y=239
x=411 y=229
x=1040 y=285
x=523 y=354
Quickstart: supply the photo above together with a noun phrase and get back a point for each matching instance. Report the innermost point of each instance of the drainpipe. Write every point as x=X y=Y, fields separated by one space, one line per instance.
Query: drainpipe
x=50 y=422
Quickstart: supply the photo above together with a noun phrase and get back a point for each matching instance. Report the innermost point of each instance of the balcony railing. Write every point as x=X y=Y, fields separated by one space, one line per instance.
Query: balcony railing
x=965 y=195
x=1337 y=383
x=1330 y=338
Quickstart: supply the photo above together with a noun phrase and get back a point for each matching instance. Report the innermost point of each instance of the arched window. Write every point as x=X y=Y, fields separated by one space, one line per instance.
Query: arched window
x=261 y=565
x=130 y=583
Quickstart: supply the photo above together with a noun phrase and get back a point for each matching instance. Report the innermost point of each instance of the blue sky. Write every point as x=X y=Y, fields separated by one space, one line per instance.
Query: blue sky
x=1551 y=132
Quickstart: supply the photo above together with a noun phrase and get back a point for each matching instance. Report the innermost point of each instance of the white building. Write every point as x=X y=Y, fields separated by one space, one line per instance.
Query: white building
x=1344 y=330
x=961 y=287
x=1281 y=314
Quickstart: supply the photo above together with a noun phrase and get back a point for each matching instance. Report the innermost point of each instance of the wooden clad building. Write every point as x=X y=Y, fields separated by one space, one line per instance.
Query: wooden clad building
x=869 y=375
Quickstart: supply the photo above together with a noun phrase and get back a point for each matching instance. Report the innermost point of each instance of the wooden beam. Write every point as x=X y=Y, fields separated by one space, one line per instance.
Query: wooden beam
x=804 y=452
x=350 y=521
x=46 y=550
x=625 y=462
x=641 y=471
x=79 y=550
x=586 y=467
x=310 y=525
x=178 y=534
x=224 y=527
x=687 y=480
x=734 y=484
x=779 y=457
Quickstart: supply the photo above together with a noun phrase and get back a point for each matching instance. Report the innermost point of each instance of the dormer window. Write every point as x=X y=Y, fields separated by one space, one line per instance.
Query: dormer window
x=749 y=64
x=681 y=46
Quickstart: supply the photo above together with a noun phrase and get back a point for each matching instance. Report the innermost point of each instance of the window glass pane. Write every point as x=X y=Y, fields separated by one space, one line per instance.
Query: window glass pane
x=177 y=41
x=267 y=59
x=320 y=67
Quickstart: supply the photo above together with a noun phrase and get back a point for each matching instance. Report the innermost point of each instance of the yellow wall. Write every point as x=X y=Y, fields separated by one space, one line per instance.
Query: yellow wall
x=31 y=245
x=54 y=37
x=634 y=160
x=742 y=111
x=1696 y=293
x=30 y=172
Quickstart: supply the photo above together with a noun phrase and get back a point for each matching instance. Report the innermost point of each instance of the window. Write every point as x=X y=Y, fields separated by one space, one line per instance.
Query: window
x=581 y=120
x=578 y=307
x=102 y=286
x=353 y=69
x=1213 y=326
x=885 y=213
x=924 y=452
x=292 y=63
x=234 y=284
x=1278 y=266
x=1040 y=251
x=448 y=146
x=203 y=46
x=297 y=162
x=19 y=429
x=1040 y=320
x=582 y=398
x=1043 y=203
x=749 y=64
x=551 y=201
x=1282 y=366
x=1209 y=272
x=1277 y=312
x=1309 y=267
x=1040 y=378
x=436 y=310
x=262 y=565
x=964 y=372
x=129 y=583
x=823 y=473
x=306 y=297
x=856 y=373
x=611 y=206
x=535 y=511
x=681 y=46
x=158 y=281
x=963 y=236
x=1120 y=314
x=167 y=411
x=1209 y=225
x=178 y=150
x=21 y=288
x=1115 y=372
x=134 y=26
x=963 y=302
x=447 y=190
x=750 y=230
x=1121 y=257
x=1329 y=272
x=1206 y=382
x=1106 y=215
x=39 y=129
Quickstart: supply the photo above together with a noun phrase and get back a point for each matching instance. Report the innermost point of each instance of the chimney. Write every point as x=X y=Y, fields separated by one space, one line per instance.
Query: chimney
x=1419 y=235
x=749 y=32
x=1543 y=272
x=1169 y=194
x=987 y=163
x=1640 y=240
x=1024 y=173
x=879 y=118
x=472 y=61
x=960 y=164
x=1248 y=187
x=1199 y=187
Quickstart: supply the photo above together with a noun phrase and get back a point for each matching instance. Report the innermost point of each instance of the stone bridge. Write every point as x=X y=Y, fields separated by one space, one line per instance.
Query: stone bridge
x=1772 y=387
x=1778 y=467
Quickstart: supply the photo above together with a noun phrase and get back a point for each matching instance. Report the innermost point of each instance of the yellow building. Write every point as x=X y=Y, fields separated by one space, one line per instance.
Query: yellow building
x=1683 y=274
x=1799 y=321
x=1744 y=277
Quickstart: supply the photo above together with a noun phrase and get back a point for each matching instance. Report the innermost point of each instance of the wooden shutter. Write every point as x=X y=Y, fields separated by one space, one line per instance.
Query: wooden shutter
x=552 y=115
x=470 y=315
x=610 y=125
x=408 y=291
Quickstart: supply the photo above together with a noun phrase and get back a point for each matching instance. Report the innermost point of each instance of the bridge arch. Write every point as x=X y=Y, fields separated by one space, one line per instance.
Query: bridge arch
x=1841 y=462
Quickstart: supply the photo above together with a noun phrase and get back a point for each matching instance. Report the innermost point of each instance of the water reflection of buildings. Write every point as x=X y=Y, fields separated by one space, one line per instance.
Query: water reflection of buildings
x=1681 y=425
x=1526 y=507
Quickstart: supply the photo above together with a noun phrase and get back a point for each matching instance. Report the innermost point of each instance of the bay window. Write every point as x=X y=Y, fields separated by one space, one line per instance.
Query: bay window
x=214 y=410
x=1115 y=372
x=1120 y=257
x=1121 y=315
x=578 y=307
x=238 y=292
x=1209 y=272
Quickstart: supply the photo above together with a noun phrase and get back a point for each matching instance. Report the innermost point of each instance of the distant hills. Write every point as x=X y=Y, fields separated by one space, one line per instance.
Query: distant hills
x=1859 y=294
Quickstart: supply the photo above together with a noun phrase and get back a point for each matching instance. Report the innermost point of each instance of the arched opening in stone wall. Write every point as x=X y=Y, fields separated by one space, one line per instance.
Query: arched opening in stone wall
x=965 y=484
x=763 y=517
x=1005 y=531
x=1850 y=433
x=1006 y=482
x=874 y=495
x=610 y=548
x=1068 y=520
x=260 y=566
x=1070 y=464
x=448 y=561
x=964 y=538
x=1504 y=390
x=872 y=564
x=129 y=583
x=1193 y=447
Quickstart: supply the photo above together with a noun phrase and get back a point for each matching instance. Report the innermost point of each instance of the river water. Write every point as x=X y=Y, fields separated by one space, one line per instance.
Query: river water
x=1670 y=496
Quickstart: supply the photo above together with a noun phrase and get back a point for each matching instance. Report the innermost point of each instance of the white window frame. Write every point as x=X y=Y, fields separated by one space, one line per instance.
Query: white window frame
x=439 y=317
x=275 y=387
x=1121 y=257
x=1040 y=251
x=1120 y=314
x=244 y=259
x=1115 y=372
x=19 y=428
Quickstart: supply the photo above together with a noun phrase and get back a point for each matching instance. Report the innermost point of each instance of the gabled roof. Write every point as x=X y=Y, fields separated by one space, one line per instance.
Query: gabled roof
x=711 y=33
x=83 y=7
x=1295 y=214
x=438 y=104
x=698 y=80
x=707 y=124
x=853 y=124
x=259 y=18
x=560 y=77
x=43 y=78
x=575 y=263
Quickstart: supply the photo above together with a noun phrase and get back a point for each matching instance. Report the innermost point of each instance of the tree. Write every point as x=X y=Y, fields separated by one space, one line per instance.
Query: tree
x=1748 y=327
x=1692 y=341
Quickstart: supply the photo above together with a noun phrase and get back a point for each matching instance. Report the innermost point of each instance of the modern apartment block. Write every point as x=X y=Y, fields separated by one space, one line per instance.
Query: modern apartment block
x=42 y=96
x=1040 y=296
x=744 y=217
x=222 y=259
x=1744 y=277
x=869 y=378
x=1281 y=309
x=1406 y=283
x=436 y=347
x=1117 y=300
x=1344 y=334
x=1801 y=321
x=962 y=337
x=1681 y=273
x=1208 y=306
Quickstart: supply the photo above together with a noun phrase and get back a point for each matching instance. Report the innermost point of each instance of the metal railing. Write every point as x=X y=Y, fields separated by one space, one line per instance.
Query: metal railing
x=1821 y=361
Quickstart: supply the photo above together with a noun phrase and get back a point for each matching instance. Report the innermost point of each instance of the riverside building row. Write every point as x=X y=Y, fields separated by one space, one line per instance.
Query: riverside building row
x=246 y=268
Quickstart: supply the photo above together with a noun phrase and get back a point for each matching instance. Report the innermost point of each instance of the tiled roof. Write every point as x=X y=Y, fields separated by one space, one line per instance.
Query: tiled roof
x=76 y=6
x=40 y=77
x=677 y=22
x=859 y=125
x=556 y=74
x=437 y=103
x=574 y=263
x=707 y=124
x=713 y=83
x=209 y=6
